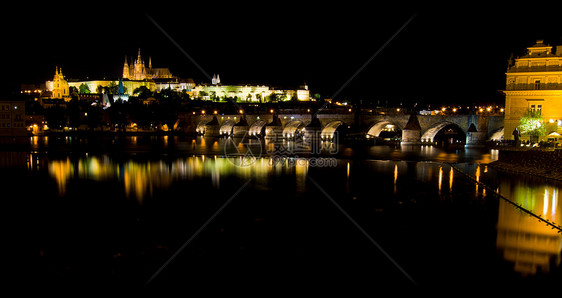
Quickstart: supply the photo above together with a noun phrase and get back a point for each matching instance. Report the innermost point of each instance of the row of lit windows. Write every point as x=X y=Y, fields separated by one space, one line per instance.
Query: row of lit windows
x=15 y=125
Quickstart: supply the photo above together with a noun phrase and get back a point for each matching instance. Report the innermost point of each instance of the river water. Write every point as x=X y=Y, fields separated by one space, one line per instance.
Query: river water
x=113 y=213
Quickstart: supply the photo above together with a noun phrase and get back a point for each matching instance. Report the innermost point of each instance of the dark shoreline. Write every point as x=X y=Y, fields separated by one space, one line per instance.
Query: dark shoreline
x=545 y=163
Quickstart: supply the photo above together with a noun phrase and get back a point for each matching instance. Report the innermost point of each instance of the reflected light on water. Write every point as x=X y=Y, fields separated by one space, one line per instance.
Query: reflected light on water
x=451 y=174
x=528 y=243
x=61 y=171
x=140 y=178
x=440 y=179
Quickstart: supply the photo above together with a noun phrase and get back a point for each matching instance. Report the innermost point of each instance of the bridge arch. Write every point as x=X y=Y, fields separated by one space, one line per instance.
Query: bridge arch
x=226 y=128
x=383 y=127
x=257 y=128
x=442 y=128
x=293 y=128
x=497 y=135
x=201 y=126
x=329 y=131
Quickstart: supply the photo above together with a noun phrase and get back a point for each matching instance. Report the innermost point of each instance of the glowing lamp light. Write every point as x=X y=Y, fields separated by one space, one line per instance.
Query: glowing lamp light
x=203 y=112
x=241 y=111
x=215 y=112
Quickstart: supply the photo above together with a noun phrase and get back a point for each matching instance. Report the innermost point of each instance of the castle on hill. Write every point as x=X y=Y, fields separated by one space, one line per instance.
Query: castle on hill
x=136 y=70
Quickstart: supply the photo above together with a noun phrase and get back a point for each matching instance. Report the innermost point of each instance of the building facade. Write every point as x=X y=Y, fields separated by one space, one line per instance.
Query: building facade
x=248 y=93
x=137 y=70
x=59 y=85
x=12 y=118
x=534 y=82
x=138 y=74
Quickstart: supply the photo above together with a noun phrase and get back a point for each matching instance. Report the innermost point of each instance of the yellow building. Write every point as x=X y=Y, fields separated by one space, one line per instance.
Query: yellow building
x=534 y=82
x=59 y=85
x=136 y=70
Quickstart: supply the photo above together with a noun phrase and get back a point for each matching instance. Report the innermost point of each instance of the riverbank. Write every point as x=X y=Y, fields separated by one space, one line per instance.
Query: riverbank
x=545 y=163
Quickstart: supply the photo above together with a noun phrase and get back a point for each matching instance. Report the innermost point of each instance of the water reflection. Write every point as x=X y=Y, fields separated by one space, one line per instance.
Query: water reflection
x=526 y=242
x=529 y=244
x=264 y=147
x=139 y=179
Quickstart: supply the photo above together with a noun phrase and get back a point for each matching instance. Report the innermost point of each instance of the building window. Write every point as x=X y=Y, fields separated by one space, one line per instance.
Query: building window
x=537 y=84
x=539 y=108
x=532 y=108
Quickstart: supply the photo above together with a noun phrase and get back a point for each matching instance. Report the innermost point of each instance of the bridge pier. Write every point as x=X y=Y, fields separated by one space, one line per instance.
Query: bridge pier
x=274 y=130
x=313 y=130
x=411 y=133
x=476 y=137
x=212 y=128
x=241 y=128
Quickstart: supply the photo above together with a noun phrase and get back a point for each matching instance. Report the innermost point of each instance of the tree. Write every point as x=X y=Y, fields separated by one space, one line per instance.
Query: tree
x=272 y=97
x=73 y=91
x=113 y=88
x=142 y=92
x=83 y=89
x=532 y=125
x=100 y=89
x=317 y=96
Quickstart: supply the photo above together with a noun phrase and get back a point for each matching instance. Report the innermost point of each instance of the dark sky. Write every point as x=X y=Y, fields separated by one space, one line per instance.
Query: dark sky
x=449 y=54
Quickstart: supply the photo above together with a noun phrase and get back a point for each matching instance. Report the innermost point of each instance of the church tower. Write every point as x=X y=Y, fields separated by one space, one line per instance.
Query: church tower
x=139 y=69
x=60 y=85
x=126 y=70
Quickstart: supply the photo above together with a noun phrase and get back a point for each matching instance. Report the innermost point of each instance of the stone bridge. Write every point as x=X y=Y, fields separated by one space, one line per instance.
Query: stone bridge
x=415 y=129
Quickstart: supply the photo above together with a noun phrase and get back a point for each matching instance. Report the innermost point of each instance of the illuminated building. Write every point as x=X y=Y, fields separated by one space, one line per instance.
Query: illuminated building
x=136 y=73
x=59 y=86
x=534 y=82
x=137 y=70
x=249 y=93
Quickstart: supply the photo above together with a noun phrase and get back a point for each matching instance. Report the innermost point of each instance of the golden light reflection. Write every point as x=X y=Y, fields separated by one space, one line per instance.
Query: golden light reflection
x=440 y=180
x=477 y=176
x=61 y=171
x=139 y=179
x=529 y=244
x=451 y=174
x=395 y=177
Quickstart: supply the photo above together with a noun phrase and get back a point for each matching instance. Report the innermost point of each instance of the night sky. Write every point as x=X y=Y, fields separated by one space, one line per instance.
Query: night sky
x=453 y=54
